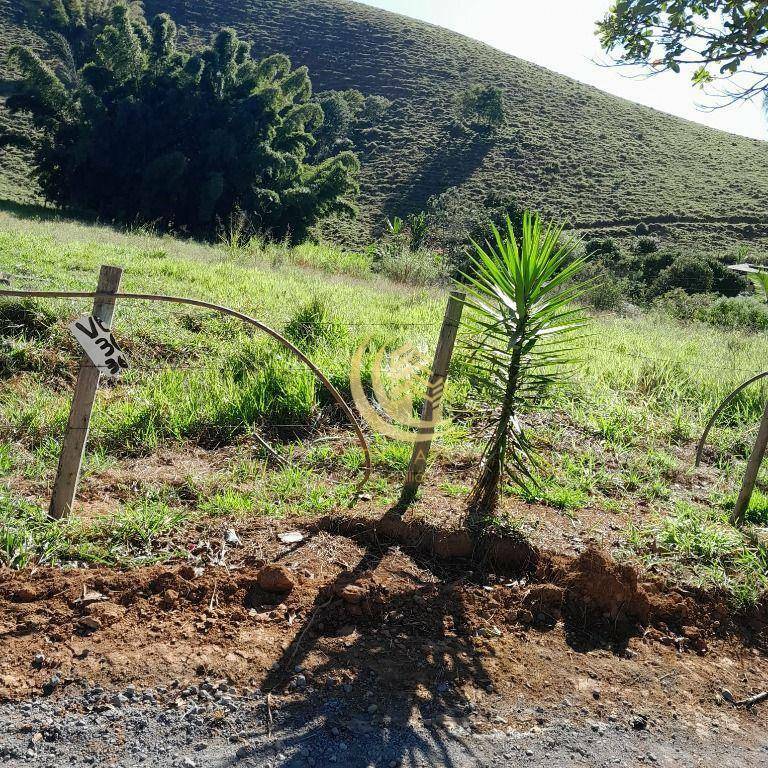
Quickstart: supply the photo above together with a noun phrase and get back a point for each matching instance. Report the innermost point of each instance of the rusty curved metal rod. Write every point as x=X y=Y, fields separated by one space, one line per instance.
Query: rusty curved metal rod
x=335 y=394
x=720 y=409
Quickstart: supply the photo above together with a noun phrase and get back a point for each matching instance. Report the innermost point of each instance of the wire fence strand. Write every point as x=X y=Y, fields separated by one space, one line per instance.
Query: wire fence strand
x=136 y=365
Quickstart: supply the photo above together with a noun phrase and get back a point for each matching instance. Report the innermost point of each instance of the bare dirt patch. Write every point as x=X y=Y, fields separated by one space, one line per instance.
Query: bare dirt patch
x=583 y=630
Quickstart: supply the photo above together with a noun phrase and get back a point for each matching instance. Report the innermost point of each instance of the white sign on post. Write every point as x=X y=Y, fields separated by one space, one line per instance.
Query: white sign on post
x=100 y=345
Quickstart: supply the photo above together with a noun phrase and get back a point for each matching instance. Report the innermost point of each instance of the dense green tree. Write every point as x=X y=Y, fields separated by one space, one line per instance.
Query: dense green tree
x=602 y=248
x=482 y=107
x=340 y=111
x=374 y=109
x=456 y=221
x=716 y=39
x=347 y=114
x=140 y=130
x=80 y=22
x=691 y=273
x=651 y=273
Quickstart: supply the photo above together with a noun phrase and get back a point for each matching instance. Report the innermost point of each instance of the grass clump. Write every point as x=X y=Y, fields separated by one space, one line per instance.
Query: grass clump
x=211 y=404
x=27 y=536
x=295 y=491
x=142 y=527
x=312 y=325
x=7 y=459
x=700 y=546
x=26 y=319
x=26 y=328
x=392 y=455
x=757 y=511
x=563 y=497
x=229 y=502
x=18 y=354
x=321 y=256
x=412 y=268
x=139 y=534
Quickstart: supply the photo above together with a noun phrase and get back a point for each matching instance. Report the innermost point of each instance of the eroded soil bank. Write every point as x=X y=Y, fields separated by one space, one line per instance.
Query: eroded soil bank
x=390 y=618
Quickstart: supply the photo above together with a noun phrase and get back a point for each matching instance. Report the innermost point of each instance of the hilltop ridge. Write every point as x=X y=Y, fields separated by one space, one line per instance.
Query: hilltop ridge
x=569 y=149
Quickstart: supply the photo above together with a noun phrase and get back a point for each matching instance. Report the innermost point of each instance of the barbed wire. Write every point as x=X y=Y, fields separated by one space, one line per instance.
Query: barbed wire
x=232 y=430
x=34 y=282
x=347 y=323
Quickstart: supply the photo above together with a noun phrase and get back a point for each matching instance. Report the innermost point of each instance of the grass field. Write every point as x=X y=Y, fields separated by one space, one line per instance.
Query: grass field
x=170 y=443
x=568 y=150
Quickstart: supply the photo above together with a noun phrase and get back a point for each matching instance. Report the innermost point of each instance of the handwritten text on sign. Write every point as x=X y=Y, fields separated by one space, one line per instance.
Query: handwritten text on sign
x=99 y=344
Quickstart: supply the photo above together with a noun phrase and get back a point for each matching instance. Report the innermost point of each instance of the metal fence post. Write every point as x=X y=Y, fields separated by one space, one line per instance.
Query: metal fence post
x=443 y=355
x=73 y=448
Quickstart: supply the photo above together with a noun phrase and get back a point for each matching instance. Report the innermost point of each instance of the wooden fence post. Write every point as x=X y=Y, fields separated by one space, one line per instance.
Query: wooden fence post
x=71 y=459
x=443 y=355
x=750 y=475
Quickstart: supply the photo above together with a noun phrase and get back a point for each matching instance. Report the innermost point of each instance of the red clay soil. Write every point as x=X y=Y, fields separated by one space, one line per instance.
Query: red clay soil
x=584 y=629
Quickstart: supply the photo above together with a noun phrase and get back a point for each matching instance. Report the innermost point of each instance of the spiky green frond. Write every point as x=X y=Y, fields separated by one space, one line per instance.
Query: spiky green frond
x=522 y=322
x=760 y=281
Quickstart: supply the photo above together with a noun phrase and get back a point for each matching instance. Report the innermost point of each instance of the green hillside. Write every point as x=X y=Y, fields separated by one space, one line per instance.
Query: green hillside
x=569 y=149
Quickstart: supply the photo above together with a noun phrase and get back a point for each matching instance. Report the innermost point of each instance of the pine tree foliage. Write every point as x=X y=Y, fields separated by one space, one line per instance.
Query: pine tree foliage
x=133 y=128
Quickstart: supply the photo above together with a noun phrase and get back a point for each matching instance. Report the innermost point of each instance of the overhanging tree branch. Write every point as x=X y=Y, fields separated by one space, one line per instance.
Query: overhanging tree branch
x=720 y=38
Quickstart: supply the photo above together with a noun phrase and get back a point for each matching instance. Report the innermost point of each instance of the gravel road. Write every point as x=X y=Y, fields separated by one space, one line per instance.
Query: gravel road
x=213 y=725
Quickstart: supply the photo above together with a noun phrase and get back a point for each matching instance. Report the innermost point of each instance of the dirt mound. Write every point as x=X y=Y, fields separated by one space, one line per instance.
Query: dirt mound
x=506 y=554
x=597 y=584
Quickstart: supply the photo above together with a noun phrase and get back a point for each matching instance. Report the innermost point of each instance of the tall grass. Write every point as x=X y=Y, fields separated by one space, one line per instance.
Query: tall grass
x=664 y=377
x=212 y=402
x=648 y=376
x=623 y=427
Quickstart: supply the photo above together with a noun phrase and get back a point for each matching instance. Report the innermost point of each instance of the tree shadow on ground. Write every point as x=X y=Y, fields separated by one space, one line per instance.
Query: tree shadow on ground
x=452 y=160
x=585 y=630
x=38 y=211
x=584 y=633
x=408 y=637
x=414 y=647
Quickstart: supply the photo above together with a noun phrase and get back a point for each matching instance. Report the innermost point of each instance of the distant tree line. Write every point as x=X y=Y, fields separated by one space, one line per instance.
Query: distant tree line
x=132 y=128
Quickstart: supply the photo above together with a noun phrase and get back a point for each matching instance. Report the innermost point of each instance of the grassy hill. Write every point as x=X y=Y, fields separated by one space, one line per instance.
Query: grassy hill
x=569 y=149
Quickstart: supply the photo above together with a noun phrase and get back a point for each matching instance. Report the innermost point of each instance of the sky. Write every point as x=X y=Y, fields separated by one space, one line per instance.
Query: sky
x=559 y=34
